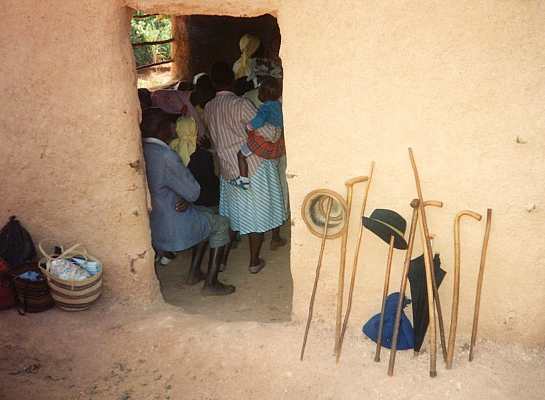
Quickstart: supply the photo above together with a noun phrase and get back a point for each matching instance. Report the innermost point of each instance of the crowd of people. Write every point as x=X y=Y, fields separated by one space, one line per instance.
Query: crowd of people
x=215 y=164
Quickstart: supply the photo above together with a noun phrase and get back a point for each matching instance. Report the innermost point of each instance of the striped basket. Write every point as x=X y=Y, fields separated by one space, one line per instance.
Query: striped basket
x=71 y=295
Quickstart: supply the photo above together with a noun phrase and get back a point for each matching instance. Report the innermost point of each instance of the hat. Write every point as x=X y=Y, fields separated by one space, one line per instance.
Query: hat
x=385 y=224
x=314 y=212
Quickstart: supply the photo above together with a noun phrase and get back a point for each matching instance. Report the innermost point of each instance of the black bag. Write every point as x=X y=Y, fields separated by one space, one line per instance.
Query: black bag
x=16 y=246
x=31 y=296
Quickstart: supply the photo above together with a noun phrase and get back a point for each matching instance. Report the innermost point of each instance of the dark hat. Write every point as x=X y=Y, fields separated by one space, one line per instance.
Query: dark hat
x=385 y=224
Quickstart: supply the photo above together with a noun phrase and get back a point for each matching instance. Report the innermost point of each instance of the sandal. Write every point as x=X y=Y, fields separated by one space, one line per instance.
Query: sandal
x=241 y=182
x=254 y=269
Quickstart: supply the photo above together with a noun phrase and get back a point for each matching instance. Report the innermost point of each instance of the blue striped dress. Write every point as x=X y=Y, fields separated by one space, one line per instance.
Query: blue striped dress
x=258 y=209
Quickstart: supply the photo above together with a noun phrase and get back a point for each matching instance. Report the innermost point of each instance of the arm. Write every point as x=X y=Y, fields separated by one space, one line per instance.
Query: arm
x=268 y=131
x=180 y=180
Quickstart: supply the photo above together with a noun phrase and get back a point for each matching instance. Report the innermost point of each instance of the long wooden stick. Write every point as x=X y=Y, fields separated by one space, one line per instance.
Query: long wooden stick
x=404 y=276
x=428 y=253
x=456 y=285
x=342 y=265
x=355 y=265
x=480 y=283
x=318 y=268
x=429 y=286
x=384 y=295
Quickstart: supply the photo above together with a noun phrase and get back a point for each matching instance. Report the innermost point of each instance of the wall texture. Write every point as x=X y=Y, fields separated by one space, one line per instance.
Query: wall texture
x=458 y=81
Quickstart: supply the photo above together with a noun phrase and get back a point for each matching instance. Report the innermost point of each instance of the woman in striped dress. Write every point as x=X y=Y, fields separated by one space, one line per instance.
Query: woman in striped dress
x=260 y=208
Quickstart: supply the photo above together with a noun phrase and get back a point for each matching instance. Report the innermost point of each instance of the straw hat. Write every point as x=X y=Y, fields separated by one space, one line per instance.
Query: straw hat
x=314 y=213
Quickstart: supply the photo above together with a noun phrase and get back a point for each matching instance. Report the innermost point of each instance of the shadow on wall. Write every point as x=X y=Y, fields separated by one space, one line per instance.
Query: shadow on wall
x=263 y=297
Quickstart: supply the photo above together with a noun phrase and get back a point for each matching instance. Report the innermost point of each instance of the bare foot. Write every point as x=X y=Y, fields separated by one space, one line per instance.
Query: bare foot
x=277 y=243
x=218 y=289
x=254 y=269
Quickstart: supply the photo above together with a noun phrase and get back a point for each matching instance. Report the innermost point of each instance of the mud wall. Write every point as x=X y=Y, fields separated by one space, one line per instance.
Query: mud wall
x=69 y=132
x=462 y=83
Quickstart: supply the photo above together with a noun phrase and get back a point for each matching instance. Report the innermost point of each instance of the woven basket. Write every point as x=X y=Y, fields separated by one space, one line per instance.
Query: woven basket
x=72 y=295
x=32 y=297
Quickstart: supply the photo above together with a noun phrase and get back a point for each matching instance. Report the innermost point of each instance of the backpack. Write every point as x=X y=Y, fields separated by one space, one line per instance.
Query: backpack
x=16 y=246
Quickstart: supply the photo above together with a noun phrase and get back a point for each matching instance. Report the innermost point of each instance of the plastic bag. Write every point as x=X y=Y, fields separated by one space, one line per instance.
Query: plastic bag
x=16 y=246
x=67 y=270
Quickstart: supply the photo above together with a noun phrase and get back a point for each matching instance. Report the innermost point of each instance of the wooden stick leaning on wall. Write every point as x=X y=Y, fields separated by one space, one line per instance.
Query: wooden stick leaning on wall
x=404 y=276
x=432 y=331
x=342 y=265
x=384 y=295
x=456 y=285
x=480 y=283
x=428 y=253
x=317 y=277
x=355 y=264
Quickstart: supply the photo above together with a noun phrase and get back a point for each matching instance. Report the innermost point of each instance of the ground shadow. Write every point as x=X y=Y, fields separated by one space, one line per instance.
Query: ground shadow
x=263 y=297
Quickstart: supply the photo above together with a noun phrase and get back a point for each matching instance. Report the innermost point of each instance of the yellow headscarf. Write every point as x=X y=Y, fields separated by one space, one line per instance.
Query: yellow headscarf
x=248 y=46
x=186 y=143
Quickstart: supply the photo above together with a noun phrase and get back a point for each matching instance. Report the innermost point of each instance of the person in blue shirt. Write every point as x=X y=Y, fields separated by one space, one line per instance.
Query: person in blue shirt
x=177 y=224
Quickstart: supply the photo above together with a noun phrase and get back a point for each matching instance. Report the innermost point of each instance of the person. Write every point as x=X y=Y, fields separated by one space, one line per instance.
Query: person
x=270 y=112
x=260 y=208
x=196 y=157
x=176 y=224
x=187 y=102
x=245 y=65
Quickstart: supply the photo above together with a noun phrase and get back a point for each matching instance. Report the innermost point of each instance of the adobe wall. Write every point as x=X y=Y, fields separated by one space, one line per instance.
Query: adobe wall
x=458 y=81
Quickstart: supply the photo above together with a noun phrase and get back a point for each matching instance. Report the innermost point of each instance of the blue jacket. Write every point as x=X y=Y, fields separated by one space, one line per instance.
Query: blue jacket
x=169 y=181
x=269 y=112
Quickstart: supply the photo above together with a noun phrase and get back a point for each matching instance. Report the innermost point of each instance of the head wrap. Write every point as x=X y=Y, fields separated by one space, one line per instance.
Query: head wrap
x=186 y=143
x=248 y=46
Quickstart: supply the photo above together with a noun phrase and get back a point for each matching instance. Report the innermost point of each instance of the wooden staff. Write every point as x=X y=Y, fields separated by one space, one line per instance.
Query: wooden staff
x=342 y=266
x=355 y=265
x=429 y=287
x=384 y=295
x=404 y=276
x=480 y=283
x=318 y=267
x=428 y=253
x=456 y=285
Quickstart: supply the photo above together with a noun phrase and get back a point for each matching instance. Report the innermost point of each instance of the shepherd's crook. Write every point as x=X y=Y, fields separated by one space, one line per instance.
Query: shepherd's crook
x=456 y=285
x=355 y=265
x=340 y=290
x=480 y=283
x=404 y=275
x=318 y=267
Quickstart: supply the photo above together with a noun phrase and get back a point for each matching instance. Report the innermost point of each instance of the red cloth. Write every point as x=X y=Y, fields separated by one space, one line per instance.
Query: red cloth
x=267 y=150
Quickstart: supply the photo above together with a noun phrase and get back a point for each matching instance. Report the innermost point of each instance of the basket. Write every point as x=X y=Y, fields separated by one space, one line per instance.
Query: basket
x=32 y=297
x=71 y=295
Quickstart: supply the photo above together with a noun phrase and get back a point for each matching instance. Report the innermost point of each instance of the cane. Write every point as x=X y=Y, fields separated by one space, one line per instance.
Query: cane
x=456 y=285
x=404 y=275
x=480 y=283
x=384 y=295
x=342 y=266
x=318 y=267
x=428 y=254
x=355 y=265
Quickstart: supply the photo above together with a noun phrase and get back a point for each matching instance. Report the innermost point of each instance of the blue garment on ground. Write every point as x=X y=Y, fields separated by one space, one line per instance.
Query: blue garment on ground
x=169 y=181
x=269 y=112
x=405 y=339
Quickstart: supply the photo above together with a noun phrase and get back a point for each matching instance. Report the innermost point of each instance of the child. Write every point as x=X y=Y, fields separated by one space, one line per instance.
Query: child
x=270 y=112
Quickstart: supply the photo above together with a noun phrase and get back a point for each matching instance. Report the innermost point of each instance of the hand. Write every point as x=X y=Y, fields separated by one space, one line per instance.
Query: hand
x=181 y=206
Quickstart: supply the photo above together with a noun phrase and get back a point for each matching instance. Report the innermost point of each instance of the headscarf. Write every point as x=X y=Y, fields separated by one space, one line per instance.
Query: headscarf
x=186 y=143
x=248 y=46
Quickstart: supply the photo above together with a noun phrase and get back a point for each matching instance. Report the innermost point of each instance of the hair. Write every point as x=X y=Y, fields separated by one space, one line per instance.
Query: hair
x=144 y=96
x=204 y=91
x=242 y=85
x=185 y=85
x=222 y=75
x=270 y=90
x=155 y=121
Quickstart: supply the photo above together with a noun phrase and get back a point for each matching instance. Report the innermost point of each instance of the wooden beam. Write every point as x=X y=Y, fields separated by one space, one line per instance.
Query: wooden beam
x=155 y=42
x=154 y=64
x=145 y=15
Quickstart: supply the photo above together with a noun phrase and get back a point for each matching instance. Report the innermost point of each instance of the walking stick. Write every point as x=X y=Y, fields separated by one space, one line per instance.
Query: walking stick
x=456 y=285
x=428 y=254
x=355 y=265
x=384 y=295
x=480 y=283
x=318 y=267
x=431 y=310
x=404 y=275
x=342 y=266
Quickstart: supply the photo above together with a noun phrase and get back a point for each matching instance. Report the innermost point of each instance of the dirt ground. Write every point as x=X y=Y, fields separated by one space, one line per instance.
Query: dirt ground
x=237 y=347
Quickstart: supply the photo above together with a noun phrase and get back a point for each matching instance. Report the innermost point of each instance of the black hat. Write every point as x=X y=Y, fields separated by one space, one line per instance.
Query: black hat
x=385 y=224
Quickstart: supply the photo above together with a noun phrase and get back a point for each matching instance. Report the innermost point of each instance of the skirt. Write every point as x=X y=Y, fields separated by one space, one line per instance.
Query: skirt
x=258 y=209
